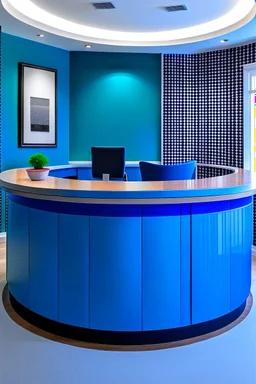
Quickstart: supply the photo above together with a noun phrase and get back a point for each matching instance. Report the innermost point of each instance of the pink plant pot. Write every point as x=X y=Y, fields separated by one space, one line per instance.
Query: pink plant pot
x=38 y=174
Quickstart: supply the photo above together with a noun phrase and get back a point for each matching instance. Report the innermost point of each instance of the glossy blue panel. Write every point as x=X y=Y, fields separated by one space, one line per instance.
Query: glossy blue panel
x=84 y=173
x=74 y=270
x=18 y=252
x=52 y=206
x=133 y=173
x=161 y=272
x=241 y=241
x=210 y=207
x=216 y=206
x=185 y=265
x=44 y=205
x=161 y=210
x=247 y=246
x=73 y=209
x=237 y=286
x=115 y=210
x=238 y=203
x=67 y=172
x=115 y=274
x=44 y=263
x=110 y=210
x=128 y=210
x=210 y=266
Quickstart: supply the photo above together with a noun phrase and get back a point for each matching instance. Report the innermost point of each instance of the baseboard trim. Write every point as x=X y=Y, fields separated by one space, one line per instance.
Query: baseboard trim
x=3 y=238
x=123 y=339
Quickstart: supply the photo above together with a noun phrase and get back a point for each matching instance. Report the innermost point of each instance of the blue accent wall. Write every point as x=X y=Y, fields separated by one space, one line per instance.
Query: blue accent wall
x=15 y=50
x=115 y=99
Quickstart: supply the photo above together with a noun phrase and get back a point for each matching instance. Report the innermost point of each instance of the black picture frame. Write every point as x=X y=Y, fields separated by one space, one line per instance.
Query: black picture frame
x=24 y=129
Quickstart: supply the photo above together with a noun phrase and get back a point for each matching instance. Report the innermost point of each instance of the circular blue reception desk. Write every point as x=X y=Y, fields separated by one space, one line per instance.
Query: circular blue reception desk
x=128 y=262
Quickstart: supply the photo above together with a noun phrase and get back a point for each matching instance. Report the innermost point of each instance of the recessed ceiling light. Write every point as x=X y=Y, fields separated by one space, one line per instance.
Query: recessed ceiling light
x=88 y=46
x=40 y=35
x=224 y=40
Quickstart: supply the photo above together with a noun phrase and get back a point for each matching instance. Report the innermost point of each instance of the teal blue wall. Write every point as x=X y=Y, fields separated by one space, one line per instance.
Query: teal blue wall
x=15 y=50
x=115 y=99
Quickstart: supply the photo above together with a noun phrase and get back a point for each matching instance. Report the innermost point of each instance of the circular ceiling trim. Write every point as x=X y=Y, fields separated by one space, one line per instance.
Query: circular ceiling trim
x=31 y=14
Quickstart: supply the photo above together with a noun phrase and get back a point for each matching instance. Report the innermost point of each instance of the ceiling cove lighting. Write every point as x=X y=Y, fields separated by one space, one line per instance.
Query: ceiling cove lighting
x=26 y=11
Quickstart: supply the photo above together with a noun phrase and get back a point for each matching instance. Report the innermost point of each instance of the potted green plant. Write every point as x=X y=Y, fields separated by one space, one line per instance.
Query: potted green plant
x=38 y=161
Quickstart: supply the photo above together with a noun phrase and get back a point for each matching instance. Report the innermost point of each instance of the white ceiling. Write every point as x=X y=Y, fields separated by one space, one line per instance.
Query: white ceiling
x=132 y=19
x=145 y=22
x=129 y=14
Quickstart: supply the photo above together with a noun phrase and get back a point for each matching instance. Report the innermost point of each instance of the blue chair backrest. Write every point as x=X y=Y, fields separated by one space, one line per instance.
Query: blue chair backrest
x=158 y=172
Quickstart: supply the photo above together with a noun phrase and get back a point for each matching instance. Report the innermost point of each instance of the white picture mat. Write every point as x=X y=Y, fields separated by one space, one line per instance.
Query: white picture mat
x=38 y=83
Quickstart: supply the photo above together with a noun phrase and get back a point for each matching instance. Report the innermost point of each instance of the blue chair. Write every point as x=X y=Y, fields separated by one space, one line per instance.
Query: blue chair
x=157 y=172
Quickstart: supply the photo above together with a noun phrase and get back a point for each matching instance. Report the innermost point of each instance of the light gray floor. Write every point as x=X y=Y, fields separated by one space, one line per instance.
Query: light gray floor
x=226 y=359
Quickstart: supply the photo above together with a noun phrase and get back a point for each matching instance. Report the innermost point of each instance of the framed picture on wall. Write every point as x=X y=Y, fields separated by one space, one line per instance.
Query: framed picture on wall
x=37 y=106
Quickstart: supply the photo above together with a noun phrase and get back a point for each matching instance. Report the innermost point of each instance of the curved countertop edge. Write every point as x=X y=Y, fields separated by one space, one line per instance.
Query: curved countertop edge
x=232 y=186
x=128 y=195
x=120 y=201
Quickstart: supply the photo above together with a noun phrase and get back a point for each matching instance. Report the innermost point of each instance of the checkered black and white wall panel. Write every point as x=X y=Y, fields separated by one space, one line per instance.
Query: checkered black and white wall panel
x=179 y=83
x=205 y=171
x=212 y=125
x=207 y=90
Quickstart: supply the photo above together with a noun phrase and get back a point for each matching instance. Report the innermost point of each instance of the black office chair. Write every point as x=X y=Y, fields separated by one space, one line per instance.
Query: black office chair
x=108 y=160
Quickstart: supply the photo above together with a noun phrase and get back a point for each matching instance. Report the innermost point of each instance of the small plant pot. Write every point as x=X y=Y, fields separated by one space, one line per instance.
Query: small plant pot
x=38 y=174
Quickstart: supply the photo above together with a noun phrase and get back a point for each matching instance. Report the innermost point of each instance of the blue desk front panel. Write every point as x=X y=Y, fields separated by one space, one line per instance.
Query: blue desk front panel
x=44 y=263
x=74 y=270
x=210 y=266
x=185 y=266
x=241 y=240
x=161 y=272
x=129 y=268
x=18 y=252
x=247 y=247
x=115 y=273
